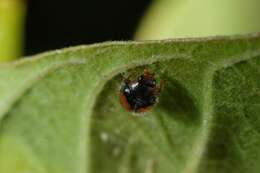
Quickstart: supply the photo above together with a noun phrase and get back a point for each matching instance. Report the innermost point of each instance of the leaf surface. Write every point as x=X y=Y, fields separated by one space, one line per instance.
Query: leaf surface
x=59 y=111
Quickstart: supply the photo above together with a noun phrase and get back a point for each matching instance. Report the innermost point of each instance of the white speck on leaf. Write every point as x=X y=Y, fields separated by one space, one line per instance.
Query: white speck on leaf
x=104 y=137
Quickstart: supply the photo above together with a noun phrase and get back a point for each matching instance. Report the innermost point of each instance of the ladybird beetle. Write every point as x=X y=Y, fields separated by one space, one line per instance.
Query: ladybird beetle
x=140 y=95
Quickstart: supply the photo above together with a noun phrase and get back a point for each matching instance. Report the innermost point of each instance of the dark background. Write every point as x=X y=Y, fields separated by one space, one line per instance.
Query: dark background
x=53 y=24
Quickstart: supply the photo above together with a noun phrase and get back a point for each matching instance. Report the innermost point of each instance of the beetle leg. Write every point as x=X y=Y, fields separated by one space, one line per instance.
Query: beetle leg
x=162 y=83
x=160 y=88
x=126 y=79
x=135 y=108
x=148 y=72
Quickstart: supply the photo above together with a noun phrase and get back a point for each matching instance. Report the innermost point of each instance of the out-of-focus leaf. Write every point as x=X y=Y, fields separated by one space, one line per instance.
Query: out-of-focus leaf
x=195 y=18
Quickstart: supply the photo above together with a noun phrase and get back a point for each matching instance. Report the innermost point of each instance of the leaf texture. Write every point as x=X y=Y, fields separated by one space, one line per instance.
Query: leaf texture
x=60 y=111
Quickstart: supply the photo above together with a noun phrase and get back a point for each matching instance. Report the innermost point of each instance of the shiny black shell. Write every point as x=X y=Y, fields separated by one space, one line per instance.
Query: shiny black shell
x=139 y=95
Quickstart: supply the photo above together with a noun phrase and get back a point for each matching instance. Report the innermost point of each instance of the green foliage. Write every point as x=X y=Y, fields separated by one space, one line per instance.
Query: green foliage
x=195 y=18
x=59 y=111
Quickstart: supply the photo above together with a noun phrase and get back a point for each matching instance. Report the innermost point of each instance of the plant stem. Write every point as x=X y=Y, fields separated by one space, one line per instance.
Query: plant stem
x=12 y=13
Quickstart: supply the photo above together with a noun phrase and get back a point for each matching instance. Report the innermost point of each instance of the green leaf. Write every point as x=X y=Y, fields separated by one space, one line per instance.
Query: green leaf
x=59 y=111
x=196 y=18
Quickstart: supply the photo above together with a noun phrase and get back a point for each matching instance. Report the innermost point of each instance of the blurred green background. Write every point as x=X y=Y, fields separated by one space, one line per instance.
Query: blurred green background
x=33 y=26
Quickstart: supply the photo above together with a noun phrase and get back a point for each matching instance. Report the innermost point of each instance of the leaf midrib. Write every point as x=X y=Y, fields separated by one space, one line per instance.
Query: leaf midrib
x=207 y=109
